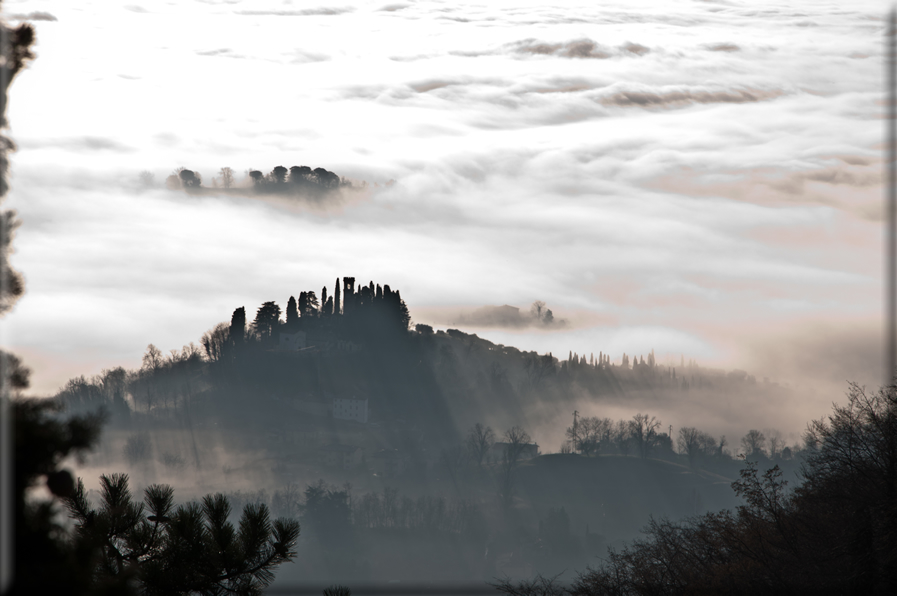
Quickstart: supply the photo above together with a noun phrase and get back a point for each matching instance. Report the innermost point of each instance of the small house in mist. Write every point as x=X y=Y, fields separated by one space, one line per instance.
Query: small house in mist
x=291 y=342
x=344 y=457
x=351 y=409
x=526 y=451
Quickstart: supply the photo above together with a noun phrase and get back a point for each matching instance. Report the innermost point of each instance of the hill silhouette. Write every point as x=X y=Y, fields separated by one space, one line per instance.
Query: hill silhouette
x=338 y=386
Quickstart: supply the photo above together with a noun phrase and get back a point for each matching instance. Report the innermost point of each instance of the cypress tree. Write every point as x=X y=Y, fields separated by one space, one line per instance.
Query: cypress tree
x=324 y=300
x=379 y=292
x=336 y=298
x=303 y=303
x=292 y=313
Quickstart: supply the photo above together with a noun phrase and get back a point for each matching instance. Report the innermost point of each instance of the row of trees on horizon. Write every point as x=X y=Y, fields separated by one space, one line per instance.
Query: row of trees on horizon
x=280 y=180
x=368 y=308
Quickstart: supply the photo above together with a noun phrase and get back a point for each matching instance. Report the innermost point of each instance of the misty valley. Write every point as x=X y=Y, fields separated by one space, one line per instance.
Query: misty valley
x=408 y=454
x=580 y=183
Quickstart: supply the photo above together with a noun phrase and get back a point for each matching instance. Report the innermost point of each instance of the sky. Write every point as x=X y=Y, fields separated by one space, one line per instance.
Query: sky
x=700 y=178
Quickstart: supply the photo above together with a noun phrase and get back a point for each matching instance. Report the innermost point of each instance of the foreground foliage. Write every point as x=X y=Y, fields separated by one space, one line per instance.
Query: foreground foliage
x=45 y=562
x=189 y=549
x=124 y=547
x=836 y=533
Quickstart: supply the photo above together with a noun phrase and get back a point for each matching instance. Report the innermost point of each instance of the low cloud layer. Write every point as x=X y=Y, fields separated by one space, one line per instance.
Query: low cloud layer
x=724 y=47
x=685 y=97
x=308 y=12
x=537 y=316
x=37 y=15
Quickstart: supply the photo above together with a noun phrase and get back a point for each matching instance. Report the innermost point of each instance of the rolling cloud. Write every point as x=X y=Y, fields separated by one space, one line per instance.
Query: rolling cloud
x=724 y=47
x=684 y=97
x=33 y=16
x=323 y=11
x=581 y=48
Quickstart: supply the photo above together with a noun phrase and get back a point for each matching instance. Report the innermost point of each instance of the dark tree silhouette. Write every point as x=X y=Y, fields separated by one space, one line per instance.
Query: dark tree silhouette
x=326 y=179
x=689 y=442
x=311 y=304
x=17 y=374
x=238 y=326
x=292 y=313
x=45 y=561
x=403 y=314
x=15 y=50
x=214 y=341
x=644 y=431
x=299 y=174
x=267 y=318
x=185 y=550
x=336 y=298
x=152 y=358
x=258 y=179
x=754 y=443
x=586 y=436
x=279 y=175
x=516 y=439
x=190 y=179
x=479 y=440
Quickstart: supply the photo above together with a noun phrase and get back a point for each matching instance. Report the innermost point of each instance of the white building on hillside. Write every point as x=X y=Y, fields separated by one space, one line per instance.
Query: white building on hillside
x=292 y=341
x=351 y=409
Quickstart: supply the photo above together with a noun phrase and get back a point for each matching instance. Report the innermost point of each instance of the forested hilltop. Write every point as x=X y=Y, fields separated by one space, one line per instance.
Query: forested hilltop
x=401 y=443
x=356 y=343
